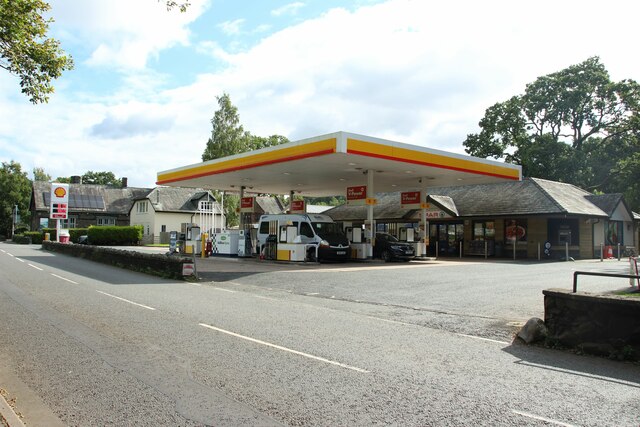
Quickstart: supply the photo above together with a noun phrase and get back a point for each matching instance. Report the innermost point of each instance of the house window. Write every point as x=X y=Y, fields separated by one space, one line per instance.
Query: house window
x=515 y=230
x=68 y=223
x=163 y=228
x=105 y=220
x=143 y=207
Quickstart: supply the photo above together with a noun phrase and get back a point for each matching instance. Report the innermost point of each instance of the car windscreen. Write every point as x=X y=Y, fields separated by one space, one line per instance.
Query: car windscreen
x=327 y=228
x=390 y=238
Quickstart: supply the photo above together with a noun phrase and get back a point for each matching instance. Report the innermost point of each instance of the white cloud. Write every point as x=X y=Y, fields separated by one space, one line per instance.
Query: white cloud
x=288 y=9
x=125 y=34
x=231 y=28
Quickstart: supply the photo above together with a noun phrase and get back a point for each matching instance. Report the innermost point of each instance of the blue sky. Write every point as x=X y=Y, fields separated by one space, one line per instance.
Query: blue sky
x=144 y=88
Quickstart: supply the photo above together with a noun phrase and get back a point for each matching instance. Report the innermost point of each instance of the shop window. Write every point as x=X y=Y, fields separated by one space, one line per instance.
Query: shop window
x=515 y=230
x=613 y=233
x=484 y=230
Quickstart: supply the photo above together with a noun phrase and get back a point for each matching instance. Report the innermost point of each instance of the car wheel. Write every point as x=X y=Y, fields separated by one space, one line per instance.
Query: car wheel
x=386 y=256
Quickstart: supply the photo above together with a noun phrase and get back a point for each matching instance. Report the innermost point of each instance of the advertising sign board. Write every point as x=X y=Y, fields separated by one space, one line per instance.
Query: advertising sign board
x=298 y=206
x=410 y=199
x=59 y=201
x=247 y=204
x=356 y=195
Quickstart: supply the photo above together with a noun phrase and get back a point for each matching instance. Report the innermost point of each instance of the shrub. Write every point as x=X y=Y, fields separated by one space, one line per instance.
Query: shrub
x=74 y=233
x=21 y=239
x=36 y=236
x=115 y=235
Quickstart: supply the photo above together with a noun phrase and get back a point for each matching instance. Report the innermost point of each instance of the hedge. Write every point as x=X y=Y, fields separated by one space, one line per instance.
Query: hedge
x=115 y=235
x=36 y=236
x=21 y=239
x=74 y=233
x=156 y=264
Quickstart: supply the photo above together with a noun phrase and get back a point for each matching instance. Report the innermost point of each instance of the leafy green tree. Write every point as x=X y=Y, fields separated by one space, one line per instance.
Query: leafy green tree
x=228 y=137
x=15 y=188
x=101 y=178
x=575 y=126
x=40 y=175
x=25 y=49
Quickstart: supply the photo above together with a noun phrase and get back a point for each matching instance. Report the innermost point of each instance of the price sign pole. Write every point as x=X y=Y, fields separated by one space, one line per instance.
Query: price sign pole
x=59 y=204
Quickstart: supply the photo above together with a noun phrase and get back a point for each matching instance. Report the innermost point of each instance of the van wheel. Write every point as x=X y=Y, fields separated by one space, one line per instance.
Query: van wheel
x=386 y=256
x=311 y=255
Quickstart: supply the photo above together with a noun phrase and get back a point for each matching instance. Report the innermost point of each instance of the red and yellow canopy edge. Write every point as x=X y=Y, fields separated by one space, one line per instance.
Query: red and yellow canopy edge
x=296 y=152
x=406 y=155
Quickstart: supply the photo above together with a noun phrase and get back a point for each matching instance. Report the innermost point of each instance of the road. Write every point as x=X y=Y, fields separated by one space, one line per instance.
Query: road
x=269 y=344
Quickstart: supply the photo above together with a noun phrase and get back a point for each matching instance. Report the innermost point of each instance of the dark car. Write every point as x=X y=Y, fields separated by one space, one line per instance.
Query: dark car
x=389 y=248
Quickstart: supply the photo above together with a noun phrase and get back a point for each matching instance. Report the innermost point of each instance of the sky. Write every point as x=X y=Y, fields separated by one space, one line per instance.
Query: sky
x=143 y=91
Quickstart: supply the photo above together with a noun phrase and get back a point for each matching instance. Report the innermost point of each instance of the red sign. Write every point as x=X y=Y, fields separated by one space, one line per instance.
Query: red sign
x=357 y=193
x=297 y=206
x=246 y=204
x=410 y=198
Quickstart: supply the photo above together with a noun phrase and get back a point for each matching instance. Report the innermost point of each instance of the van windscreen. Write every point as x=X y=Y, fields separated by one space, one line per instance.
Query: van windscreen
x=323 y=228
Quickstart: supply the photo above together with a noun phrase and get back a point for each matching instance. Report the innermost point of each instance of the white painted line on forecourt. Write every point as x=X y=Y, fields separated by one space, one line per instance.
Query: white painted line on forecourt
x=20 y=259
x=484 y=339
x=222 y=289
x=546 y=420
x=64 y=278
x=33 y=266
x=126 y=300
x=3 y=251
x=11 y=255
x=278 y=347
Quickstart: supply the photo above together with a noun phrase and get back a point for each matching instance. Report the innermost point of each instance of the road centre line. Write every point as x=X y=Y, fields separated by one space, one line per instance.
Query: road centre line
x=484 y=339
x=126 y=300
x=64 y=278
x=11 y=255
x=546 y=420
x=222 y=289
x=3 y=251
x=278 y=347
x=20 y=259
x=37 y=268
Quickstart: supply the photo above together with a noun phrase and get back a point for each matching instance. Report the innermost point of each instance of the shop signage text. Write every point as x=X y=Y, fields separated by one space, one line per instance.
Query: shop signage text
x=59 y=201
x=357 y=195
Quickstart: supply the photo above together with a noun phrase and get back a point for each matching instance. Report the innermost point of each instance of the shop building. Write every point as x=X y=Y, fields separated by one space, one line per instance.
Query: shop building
x=533 y=218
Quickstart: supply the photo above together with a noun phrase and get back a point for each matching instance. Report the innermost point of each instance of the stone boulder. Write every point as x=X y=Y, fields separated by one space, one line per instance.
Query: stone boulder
x=532 y=331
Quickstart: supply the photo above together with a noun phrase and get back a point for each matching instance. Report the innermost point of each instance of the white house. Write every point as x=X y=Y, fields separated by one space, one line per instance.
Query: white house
x=165 y=209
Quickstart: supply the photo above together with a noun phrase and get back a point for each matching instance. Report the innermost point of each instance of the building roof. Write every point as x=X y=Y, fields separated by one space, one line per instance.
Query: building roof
x=89 y=197
x=177 y=199
x=607 y=202
x=531 y=196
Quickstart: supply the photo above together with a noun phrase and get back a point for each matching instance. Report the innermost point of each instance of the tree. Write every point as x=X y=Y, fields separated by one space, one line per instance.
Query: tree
x=15 y=188
x=40 y=175
x=25 y=50
x=101 y=178
x=228 y=137
x=575 y=126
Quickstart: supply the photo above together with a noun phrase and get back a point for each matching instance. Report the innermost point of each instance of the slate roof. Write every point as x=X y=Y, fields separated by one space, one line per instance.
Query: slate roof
x=531 y=196
x=177 y=199
x=606 y=202
x=109 y=200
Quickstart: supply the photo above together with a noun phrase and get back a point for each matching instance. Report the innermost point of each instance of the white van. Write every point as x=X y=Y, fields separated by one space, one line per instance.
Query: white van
x=324 y=236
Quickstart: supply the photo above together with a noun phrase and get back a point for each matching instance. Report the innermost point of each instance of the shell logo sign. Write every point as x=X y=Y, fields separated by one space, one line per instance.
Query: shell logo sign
x=60 y=192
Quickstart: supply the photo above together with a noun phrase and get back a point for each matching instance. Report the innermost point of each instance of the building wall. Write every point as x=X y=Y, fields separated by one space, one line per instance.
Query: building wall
x=146 y=218
x=172 y=220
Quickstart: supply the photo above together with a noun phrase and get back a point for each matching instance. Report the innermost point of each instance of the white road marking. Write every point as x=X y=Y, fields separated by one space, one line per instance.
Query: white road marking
x=299 y=353
x=582 y=374
x=3 y=251
x=64 y=278
x=126 y=300
x=313 y=293
x=195 y=284
x=19 y=259
x=222 y=289
x=546 y=420
x=11 y=255
x=483 y=339
x=37 y=268
x=267 y=298
x=391 y=321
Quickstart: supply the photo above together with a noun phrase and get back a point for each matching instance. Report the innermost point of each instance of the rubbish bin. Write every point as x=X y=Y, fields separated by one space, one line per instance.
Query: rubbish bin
x=47 y=236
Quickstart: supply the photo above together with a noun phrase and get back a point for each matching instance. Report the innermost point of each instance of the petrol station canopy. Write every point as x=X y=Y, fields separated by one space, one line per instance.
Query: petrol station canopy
x=326 y=165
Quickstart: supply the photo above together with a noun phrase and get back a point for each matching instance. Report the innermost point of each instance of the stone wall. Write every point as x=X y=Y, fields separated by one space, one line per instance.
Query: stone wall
x=156 y=264
x=606 y=325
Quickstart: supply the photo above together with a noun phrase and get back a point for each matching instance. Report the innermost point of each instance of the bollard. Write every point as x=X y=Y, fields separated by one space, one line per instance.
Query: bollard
x=437 y=249
x=514 y=249
x=538 y=251
x=460 y=250
x=618 y=251
x=566 y=251
x=485 y=250
x=601 y=252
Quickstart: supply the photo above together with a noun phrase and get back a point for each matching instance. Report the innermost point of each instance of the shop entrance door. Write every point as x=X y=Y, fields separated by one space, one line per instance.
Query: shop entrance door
x=448 y=236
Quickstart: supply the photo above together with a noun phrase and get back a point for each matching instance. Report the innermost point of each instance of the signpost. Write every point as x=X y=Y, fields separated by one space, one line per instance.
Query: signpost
x=59 y=207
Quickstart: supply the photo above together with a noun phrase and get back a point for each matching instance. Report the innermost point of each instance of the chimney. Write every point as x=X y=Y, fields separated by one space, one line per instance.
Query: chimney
x=124 y=181
x=76 y=179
